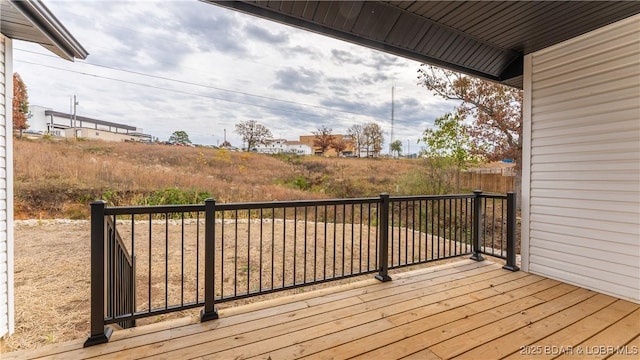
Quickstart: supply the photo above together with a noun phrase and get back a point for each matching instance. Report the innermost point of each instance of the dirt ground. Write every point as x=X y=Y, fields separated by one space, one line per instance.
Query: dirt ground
x=52 y=283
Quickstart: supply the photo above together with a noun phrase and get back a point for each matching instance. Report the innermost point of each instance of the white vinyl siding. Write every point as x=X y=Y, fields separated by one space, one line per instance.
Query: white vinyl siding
x=582 y=169
x=6 y=189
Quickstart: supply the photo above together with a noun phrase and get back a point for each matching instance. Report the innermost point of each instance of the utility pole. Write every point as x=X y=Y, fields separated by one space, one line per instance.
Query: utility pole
x=75 y=104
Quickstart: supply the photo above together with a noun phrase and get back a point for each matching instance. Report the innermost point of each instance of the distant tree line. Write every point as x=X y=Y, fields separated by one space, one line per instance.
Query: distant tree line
x=366 y=139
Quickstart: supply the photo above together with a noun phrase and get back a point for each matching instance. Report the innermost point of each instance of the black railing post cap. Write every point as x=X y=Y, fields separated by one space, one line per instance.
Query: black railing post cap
x=98 y=202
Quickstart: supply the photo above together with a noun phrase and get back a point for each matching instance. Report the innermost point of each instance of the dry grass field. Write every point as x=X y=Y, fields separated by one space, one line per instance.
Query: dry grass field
x=59 y=179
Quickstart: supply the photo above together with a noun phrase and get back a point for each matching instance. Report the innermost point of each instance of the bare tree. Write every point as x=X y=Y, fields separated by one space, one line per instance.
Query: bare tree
x=372 y=133
x=357 y=133
x=253 y=134
x=323 y=138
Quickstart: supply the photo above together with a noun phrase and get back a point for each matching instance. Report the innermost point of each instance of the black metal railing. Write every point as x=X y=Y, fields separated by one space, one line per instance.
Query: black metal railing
x=424 y=228
x=198 y=255
x=120 y=281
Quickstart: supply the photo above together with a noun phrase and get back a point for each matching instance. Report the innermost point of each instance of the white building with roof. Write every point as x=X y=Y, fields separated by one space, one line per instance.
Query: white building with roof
x=282 y=146
x=47 y=121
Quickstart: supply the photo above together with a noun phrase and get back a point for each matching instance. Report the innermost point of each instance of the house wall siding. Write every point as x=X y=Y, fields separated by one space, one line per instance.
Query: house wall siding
x=6 y=189
x=582 y=169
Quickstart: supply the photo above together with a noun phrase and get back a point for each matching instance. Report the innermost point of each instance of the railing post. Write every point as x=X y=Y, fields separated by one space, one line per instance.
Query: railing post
x=383 y=254
x=209 y=312
x=477 y=223
x=511 y=233
x=99 y=333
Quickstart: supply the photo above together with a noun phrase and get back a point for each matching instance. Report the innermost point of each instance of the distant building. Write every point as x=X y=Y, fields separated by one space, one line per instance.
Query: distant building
x=281 y=146
x=296 y=147
x=306 y=147
x=348 y=139
x=46 y=121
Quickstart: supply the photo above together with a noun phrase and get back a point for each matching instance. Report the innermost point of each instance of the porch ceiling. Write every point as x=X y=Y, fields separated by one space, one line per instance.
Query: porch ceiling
x=484 y=39
x=32 y=21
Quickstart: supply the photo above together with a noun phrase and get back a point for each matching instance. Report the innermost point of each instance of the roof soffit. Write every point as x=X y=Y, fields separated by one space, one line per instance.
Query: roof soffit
x=32 y=21
x=485 y=39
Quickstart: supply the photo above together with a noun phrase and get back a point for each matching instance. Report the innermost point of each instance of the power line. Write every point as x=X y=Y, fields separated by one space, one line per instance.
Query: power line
x=193 y=84
x=172 y=90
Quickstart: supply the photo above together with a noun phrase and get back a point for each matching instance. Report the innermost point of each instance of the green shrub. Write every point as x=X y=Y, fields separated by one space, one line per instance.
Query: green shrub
x=288 y=158
x=174 y=196
x=300 y=182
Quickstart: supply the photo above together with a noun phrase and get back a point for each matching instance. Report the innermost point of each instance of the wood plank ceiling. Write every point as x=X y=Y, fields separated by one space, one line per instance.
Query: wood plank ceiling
x=485 y=39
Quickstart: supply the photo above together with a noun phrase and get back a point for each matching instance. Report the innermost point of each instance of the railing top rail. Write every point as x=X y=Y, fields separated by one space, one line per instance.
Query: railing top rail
x=161 y=209
x=493 y=196
x=158 y=209
x=294 y=203
x=431 y=197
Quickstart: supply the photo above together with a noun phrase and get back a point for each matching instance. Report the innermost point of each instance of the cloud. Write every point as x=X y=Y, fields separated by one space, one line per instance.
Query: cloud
x=383 y=62
x=210 y=28
x=341 y=57
x=301 y=51
x=301 y=80
x=265 y=35
x=376 y=60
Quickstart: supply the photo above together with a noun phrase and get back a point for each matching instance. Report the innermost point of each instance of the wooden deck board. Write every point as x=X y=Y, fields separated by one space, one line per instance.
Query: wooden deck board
x=429 y=333
x=617 y=334
x=429 y=317
x=570 y=336
x=630 y=350
x=511 y=342
x=463 y=309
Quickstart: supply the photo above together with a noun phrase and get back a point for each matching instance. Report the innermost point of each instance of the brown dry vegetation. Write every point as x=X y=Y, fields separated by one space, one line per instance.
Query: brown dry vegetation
x=59 y=179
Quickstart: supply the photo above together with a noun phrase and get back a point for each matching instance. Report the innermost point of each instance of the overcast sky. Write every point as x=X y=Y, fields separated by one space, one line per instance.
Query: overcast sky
x=185 y=65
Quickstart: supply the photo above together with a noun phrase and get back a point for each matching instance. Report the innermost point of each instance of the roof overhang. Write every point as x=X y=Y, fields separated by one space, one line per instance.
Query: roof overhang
x=87 y=119
x=479 y=38
x=32 y=21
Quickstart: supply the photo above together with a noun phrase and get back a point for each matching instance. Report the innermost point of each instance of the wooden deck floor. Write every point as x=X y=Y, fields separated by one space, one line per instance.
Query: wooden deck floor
x=459 y=310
